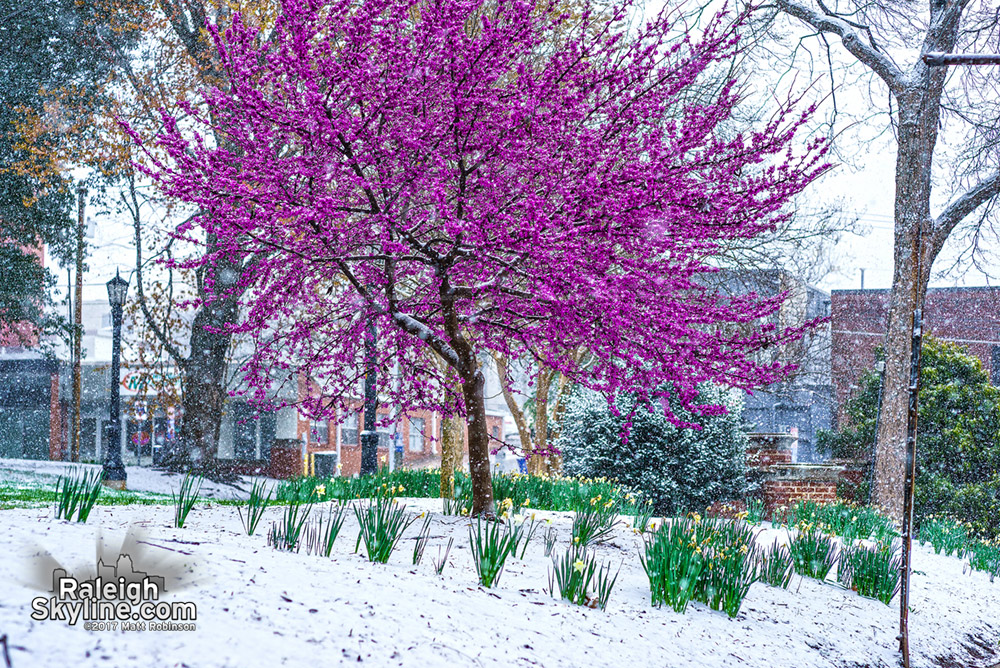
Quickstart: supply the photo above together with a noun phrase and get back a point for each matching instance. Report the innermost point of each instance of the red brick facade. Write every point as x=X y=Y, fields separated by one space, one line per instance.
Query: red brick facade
x=967 y=316
x=783 y=483
x=428 y=456
x=780 y=492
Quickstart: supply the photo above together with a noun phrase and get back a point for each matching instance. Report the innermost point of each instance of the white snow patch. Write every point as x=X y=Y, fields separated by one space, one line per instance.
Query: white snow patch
x=258 y=607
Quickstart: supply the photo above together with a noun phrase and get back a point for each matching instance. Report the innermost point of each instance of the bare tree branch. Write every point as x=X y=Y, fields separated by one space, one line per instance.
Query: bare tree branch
x=868 y=55
x=962 y=206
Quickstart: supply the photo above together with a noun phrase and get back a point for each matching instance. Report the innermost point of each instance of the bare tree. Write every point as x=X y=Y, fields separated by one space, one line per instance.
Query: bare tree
x=887 y=39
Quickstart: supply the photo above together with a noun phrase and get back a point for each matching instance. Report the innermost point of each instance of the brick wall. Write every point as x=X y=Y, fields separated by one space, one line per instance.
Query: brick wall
x=967 y=316
x=779 y=493
x=769 y=457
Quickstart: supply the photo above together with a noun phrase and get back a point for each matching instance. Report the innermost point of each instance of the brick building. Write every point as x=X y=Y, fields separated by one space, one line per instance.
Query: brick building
x=414 y=440
x=967 y=316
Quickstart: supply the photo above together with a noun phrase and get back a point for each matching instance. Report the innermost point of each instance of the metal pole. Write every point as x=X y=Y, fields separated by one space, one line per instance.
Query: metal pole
x=911 y=454
x=78 y=327
x=369 y=436
x=68 y=442
x=936 y=59
x=931 y=60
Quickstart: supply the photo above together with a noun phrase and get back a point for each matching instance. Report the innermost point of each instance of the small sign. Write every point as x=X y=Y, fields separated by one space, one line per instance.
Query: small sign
x=149 y=382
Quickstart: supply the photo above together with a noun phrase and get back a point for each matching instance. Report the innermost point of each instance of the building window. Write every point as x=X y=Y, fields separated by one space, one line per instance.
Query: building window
x=496 y=433
x=349 y=430
x=319 y=431
x=384 y=436
x=416 y=435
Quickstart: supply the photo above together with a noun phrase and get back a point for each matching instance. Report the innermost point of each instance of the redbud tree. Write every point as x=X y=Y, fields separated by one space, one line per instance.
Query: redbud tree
x=482 y=176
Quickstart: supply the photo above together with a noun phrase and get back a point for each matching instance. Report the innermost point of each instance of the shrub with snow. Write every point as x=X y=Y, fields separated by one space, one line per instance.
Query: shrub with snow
x=679 y=469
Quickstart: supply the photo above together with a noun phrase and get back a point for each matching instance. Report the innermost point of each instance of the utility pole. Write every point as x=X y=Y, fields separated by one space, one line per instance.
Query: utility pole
x=910 y=471
x=78 y=326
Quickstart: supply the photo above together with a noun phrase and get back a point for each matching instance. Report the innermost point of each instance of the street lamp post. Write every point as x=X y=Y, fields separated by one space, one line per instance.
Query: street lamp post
x=369 y=435
x=114 y=470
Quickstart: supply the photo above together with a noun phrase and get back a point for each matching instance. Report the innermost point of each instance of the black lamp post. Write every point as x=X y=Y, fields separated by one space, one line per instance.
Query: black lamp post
x=369 y=435
x=114 y=469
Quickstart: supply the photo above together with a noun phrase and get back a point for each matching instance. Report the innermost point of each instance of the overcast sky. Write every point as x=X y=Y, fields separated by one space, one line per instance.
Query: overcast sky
x=863 y=185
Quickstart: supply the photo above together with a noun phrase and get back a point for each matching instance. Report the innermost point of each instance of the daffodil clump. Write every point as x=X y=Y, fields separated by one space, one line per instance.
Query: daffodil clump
x=642 y=514
x=596 y=521
x=408 y=482
x=841 y=518
x=260 y=498
x=287 y=533
x=521 y=528
x=755 y=510
x=579 y=579
x=382 y=522
x=673 y=562
x=556 y=492
x=491 y=544
x=985 y=556
x=321 y=534
x=776 y=566
x=524 y=491
x=814 y=552
x=185 y=499
x=77 y=493
x=871 y=570
x=727 y=546
x=946 y=535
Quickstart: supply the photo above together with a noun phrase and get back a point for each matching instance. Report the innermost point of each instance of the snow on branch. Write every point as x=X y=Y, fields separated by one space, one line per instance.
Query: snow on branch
x=868 y=55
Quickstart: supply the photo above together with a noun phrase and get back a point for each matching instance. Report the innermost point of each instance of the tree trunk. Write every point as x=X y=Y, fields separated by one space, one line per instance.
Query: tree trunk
x=538 y=462
x=522 y=426
x=473 y=386
x=554 y=462
x=205 y=377
x=452 y=439
x=918 y=118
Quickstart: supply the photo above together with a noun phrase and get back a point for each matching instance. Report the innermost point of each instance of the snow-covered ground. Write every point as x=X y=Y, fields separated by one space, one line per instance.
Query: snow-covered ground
x=259 y=607
x=140 y=479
